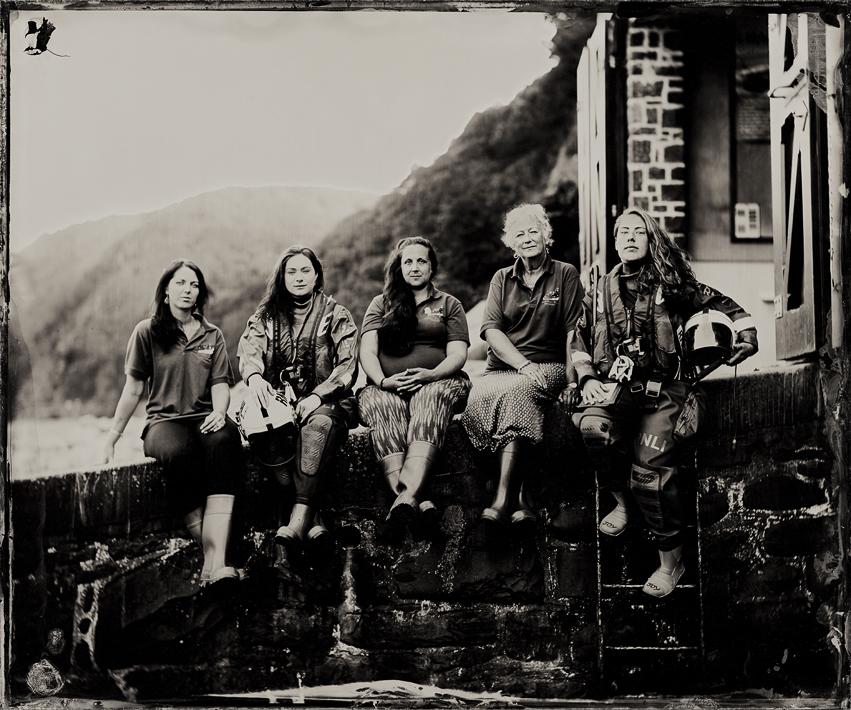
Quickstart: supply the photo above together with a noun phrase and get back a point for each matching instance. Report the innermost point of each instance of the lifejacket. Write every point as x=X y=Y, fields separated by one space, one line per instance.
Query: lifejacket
x=650 y=319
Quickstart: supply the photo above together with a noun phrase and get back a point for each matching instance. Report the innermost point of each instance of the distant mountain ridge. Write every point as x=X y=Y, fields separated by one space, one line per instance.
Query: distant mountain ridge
x=80 y=291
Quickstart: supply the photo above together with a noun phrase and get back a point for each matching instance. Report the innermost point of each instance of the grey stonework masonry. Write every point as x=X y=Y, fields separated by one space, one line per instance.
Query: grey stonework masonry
x=97 y=557
x=655 y=124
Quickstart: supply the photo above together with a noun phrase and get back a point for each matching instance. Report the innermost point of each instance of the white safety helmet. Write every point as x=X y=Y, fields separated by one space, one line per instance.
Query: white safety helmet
x=270 y=431
x=708 y=337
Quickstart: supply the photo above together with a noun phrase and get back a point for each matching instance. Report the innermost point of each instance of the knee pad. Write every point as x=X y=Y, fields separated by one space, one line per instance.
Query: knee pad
x=598 y=432
x=313 y=444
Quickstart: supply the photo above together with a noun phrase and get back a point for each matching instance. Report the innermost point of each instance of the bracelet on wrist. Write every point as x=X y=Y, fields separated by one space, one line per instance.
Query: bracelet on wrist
x=119 y=434
x=525 y=364
x=381 y=384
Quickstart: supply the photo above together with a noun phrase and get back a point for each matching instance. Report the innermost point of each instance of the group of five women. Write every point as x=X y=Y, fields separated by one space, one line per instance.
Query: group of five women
x=547 y=341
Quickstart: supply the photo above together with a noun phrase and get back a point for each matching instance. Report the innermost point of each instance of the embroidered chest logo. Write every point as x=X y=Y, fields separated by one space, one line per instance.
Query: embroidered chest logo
x=435 y=313
x=205 y=350
x=551 y=297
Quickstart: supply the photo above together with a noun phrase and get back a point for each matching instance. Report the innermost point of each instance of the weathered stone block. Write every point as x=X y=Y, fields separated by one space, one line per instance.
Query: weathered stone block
x=409 y=626
x=673 y=193
x=632 y=618
x=673 y=154
x=676 y=97
x=791 y=538
x=637 y=38
x=641 y=151
x=537 y=633
x=576 y=567
x=642 y=203
x=641 y=89
x=574 y=521
x=637 y=179
x=714 y=506
x=823 y=570
x=670 y=70
x=492 y=566
x=770 y=578
x=652 y=39
x=656 y=173
x=816 y=468
x=635 y=111
x=448 y=659
x=672 y=118
x=782 y=493
x=60 y=512
x=675 y=224
x=652 y=115
x=638 y=56
x=666 y=672
x=678 y=173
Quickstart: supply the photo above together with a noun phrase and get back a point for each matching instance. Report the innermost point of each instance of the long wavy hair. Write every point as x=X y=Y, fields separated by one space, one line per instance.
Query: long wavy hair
x=164 y=326
x=668 y=265
x=277 y=301
x=396 y=333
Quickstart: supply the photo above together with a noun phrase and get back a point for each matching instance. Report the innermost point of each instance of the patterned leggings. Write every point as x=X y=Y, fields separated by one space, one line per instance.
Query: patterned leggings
x=397 y=420
x=506 y=405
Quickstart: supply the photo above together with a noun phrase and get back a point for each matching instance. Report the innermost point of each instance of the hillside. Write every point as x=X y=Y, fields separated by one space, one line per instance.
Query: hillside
x=79 y=292
x=525 y=151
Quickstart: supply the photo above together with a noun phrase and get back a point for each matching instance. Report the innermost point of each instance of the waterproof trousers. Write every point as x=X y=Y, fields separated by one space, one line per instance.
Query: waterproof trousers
x=633 y=443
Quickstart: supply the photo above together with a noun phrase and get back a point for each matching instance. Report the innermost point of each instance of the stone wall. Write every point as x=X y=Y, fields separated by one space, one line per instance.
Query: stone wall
x=655 y=157
x=97 y=557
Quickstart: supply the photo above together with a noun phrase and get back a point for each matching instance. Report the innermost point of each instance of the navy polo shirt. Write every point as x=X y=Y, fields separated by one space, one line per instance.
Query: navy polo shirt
x=536 y=320
x=181 y=377
x=440 y=319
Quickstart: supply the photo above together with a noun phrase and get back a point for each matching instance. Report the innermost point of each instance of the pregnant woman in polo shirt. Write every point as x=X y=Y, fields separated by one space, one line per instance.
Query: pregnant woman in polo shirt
x=184 y=359
x=413 y=345
x=531 y=308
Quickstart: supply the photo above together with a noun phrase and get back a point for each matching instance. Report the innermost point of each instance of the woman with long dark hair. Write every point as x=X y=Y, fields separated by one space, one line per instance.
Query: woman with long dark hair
x=413 y=345
x=184 y=359
x=531 y=308
x=302 y=337
x=637 y=402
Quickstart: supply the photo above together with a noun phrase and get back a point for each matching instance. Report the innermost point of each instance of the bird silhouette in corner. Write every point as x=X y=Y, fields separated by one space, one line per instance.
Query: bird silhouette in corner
x=38 y=37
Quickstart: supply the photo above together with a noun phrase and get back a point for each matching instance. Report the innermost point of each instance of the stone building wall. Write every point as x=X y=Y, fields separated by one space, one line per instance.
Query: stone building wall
x=457 y=608
x=655 y=157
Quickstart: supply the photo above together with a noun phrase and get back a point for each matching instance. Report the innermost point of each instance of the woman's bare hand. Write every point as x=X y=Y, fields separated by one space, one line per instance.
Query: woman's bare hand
x=534 y=372
x=593 y=392
x=213 y=422
x=261 y=390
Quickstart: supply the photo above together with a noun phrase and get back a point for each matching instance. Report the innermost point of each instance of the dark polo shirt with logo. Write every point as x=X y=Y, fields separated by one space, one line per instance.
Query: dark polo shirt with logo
x=179 y=380
x=536 y=320
x=440 y=319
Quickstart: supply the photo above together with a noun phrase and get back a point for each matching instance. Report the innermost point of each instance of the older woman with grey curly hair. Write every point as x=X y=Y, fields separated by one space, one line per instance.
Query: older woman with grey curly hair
x=532 y=306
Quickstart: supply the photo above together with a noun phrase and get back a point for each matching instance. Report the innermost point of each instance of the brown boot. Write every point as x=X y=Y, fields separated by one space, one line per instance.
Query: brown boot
x=215 y=533
x=508 y=487
x=418 y=462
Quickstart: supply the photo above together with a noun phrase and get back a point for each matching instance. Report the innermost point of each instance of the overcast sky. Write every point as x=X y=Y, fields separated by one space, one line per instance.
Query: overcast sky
x=153 y=107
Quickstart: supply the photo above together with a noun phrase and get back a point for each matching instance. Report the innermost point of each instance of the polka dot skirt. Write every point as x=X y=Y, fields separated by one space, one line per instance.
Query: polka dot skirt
x=505 y=405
